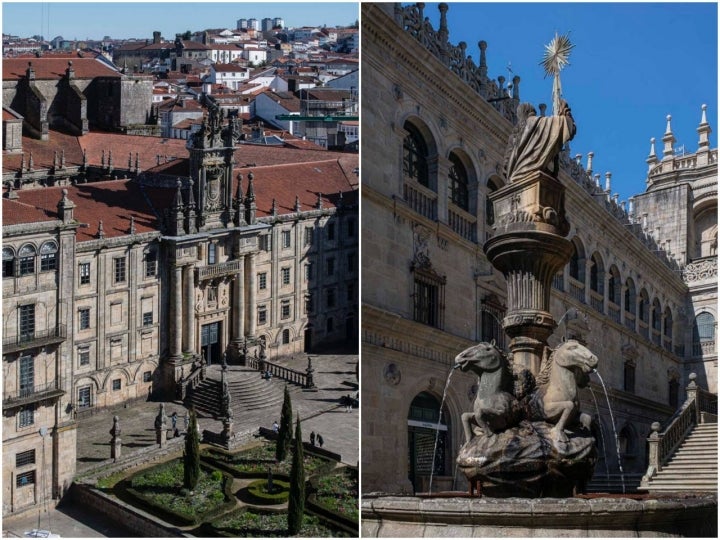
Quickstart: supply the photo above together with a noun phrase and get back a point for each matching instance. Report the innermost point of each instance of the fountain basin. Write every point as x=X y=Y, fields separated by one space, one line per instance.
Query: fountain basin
x=659 y=516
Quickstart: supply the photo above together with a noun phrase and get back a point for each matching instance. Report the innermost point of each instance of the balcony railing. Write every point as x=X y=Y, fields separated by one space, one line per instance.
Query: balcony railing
x=643 y=328
x=667 y=344
x=422 y=200
x=629 y=321
x=577 y=290
x=228 y=268
x=614 y=312
x=463 y=223
x=23 y=396
x=596 y=302
x=704 y=348
x=39 y=338
x=558 y=282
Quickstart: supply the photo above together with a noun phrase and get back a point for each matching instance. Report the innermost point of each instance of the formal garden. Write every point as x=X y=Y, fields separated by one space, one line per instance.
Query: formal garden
x=268 y=488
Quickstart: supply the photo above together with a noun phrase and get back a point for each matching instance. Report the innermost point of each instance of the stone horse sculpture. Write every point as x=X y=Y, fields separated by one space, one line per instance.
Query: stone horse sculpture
x=565 y=370
x=495 y=408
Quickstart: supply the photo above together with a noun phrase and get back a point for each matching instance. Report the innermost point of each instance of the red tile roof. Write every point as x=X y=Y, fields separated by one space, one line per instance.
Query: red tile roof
x=54 y=68
x=147 y=148
x=113 y=202
x=43 y=152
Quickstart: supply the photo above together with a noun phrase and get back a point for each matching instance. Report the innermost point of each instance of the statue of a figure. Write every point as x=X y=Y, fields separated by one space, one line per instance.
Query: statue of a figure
x=535 y=143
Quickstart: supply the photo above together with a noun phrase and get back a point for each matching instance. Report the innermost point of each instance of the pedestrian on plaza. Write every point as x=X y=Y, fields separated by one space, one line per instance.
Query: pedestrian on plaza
x=276 y=428
x=320 y=440
x=312 y=438
x=348 y=403
x=173 y=418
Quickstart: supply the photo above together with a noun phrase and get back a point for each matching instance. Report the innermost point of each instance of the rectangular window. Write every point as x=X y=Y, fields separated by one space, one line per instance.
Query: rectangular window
x=27 y=416
x=151 y=264
x=117 y=384
x=148 y=318
x=629 y=377
x=48 y=262
x=351 y=263
x=330 y=266
x=285 y=309
x=285 y=275
x=330 y=297
x=27 y=375
x=25 y=458
x=309 y=231
x=27 y=265
x=265 y=242
x=212 y=253
x=25 y=479
x=119 y=266
x=426 y=303
x=308 y=271
x=84 y=271
x=84 y=318
x=212 y=295
x=262 y=314
x=147 y=376
x=262 y=281
x=285 y=239
x=27 y=321
x=84 y=357
x=84 y=397
x=8 y=263
x=309 y=303
x=351 y=228
x=330 y=231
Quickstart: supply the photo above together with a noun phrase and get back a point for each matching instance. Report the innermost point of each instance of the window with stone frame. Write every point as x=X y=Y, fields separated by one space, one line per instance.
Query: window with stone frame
x=428 y=295
x=262 y=315
x=286 y=239
x=673 y=392
x=330 y=266
x=330 y=230
x=116 y=384
x=330 y=297
x=262 y=281
x=147 y=376
x=26 y=257
x=25 y=479
x=629 y=376
x=212 y=253
x=285 y=309
x=286 y=336
x=8 y=262
x=23 y=459
x=26 y=416
x=84 y=273
x=26 y=371
x=285 y=275
x=309 y=233
x=48 y=257
x=148 y=318
x=26 y=321
x=84 y=356
x=458 y=183
x=415 y=156
x=151 y=263
x=119 y=267
x=309 y=302
x=84 y=397
x=350 y=224
x=84 y=318
x=212 y=295
x=308 y=271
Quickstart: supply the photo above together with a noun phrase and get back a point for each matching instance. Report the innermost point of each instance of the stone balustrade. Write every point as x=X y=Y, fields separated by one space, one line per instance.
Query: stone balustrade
x=421 y=199
x=463 y=223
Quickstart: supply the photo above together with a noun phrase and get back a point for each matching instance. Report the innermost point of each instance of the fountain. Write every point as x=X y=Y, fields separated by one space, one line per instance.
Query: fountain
x=529 y=450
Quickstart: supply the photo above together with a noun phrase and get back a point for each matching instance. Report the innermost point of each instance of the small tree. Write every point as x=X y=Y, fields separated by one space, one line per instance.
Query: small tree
x=191 y=456
x=296 y=501
x=284 y=437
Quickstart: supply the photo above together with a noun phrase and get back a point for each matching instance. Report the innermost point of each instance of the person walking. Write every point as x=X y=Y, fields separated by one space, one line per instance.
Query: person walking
x=320 y=440
x=276 y=428
x=312 y=438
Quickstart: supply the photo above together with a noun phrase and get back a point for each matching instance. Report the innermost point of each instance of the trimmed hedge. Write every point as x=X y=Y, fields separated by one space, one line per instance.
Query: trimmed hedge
x=256 y=495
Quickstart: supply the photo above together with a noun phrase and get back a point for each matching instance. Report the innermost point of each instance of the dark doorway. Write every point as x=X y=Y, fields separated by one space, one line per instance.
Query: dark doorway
x=210 y=342
x=422 y=429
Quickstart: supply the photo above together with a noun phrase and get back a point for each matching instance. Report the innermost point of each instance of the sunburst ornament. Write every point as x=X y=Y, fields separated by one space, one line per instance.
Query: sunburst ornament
x=556 y=57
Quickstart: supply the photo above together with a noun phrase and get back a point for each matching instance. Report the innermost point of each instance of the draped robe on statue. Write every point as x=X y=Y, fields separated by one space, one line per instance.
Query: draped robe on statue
x=536 y=142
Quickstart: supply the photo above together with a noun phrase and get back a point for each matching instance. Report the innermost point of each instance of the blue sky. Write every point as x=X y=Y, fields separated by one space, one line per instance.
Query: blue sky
x=95 y=20
x=632 y=65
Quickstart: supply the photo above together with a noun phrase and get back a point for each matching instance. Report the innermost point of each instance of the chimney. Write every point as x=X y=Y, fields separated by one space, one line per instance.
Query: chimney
x=156 y=37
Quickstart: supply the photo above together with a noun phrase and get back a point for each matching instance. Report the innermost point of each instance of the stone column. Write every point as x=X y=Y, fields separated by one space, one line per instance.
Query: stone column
x=239 y=303
x=176 y=313
x=251 y=294
x=188 y=337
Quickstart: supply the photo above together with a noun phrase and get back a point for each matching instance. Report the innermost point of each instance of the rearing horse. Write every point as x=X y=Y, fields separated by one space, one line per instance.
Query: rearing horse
x=562 y=373
x=495 y=408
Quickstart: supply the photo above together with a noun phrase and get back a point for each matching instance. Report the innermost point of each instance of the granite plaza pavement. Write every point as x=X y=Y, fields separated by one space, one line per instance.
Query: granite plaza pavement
x=320 y=411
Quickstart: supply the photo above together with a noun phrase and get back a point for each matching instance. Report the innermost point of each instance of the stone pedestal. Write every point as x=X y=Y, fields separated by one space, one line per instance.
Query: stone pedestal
x=529 y=247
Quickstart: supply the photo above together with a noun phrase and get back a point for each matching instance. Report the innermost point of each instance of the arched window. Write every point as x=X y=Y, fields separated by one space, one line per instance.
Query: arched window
x=643 y=306
x=613 y=292
x=630 y=296
x=656 y=319
x=458 y=183
x=415 y=155
x=597 y=273
x=577 y=261
x=8 y=262
x=27 y=259
x=704 y=333
x=286 y=336
x=48 y=256
x=673 y=388
x=668 y=329
x=424 y=411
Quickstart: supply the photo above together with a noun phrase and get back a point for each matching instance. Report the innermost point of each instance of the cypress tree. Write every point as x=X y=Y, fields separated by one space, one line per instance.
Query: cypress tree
x=284 y=437
x=191 y=456
x=296 y=501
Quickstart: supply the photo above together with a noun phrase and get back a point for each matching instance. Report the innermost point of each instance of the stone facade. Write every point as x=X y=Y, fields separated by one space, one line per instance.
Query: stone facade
x=434 y=143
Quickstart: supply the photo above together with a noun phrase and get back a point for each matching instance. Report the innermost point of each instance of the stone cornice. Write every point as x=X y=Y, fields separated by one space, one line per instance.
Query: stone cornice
x=120 y=241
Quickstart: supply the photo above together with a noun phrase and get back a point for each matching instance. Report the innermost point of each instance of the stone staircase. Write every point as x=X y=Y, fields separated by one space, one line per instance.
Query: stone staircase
x=694 y=465
x=248 y=392
x=614 y=483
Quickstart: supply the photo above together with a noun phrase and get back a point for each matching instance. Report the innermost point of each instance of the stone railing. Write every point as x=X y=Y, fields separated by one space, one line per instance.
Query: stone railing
x=558 y=282
x=422 y=200
x=22 y=396
x=577 y=290
x=700 y=270
x=704 y=348
x=282 y=372
x=661 y=446
x=185 y=386
x=596 y=302
x=629 y=321
x=463 y=223
x=38 y=338
x=229 y=268
x=614 y=312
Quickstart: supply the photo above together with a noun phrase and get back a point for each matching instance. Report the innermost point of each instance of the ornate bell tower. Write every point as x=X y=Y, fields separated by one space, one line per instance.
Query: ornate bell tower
x=211 y=164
